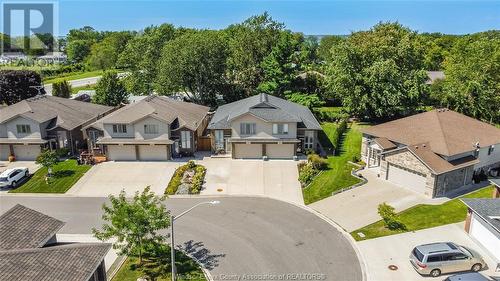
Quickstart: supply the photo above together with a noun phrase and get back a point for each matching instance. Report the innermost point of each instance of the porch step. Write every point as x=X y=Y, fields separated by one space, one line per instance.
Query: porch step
x=220 y=156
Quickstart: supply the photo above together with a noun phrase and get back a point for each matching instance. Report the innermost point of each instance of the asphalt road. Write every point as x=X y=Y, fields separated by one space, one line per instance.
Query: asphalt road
x=239 y=237
x=75 y=83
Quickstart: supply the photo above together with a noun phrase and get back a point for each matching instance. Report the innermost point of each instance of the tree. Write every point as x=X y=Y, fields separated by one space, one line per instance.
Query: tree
x=326 y=44
x=104 y=54
x=309 y=100
x=134 y=223
x=110 y=90
x=194 y=63
x=47 y=159
x=472 y=83
x=77 y=50
x=378 y=73
x=17 y=85
x=61 y=89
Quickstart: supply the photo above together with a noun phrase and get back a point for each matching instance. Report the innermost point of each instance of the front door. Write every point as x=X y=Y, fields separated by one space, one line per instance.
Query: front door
x=219 y=140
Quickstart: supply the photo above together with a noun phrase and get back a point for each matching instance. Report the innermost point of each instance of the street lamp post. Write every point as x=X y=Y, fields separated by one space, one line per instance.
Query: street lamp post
x=172 y=248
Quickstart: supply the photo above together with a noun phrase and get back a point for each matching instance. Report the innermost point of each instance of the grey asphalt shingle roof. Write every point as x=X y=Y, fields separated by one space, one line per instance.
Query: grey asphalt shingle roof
x=22 y=227
x=266 y=107
x=70 y=262
x=68 y=113
x=488 y=209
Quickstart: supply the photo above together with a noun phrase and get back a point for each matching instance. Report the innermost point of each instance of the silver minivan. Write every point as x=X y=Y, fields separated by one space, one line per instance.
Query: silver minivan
x=436 y=258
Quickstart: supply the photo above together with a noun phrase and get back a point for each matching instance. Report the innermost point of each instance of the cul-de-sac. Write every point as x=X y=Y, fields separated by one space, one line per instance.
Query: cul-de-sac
x=249 y=140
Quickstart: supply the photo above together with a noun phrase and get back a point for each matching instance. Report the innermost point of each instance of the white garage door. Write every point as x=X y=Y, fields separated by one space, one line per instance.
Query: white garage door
x=153 y=152
x=248 y=151
x=484 y=236
x=279 y=150
x=4 y=152
x=407 y=178
x=121 y=152
x=26 y=152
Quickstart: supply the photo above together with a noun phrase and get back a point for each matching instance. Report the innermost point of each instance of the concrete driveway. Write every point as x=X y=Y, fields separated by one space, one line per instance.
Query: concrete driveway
x=4 y=165
x=111 y=177
x=276 y=179
x=357 y=207
x=379 y=253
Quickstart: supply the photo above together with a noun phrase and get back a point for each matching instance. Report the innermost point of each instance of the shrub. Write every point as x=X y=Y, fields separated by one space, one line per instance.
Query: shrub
x=190 y=164
x=306 y=173
x=317 y=162
x=62 y=152
x=198 y=179
x=61 y=89
x=390 y=218
x=176 y=180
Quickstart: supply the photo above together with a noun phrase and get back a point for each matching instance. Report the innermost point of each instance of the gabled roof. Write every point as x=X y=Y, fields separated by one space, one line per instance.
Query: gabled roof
x=22 y=227
x=189 y=115
x=447 y=132
x=488 y=209
x=67 y=113
x=384 y=143
x=266 y=107
x=70 y=262
x=437 y=164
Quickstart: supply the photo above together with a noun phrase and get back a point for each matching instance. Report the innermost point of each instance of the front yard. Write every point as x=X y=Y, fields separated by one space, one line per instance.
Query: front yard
x=424 y=216
x=65 y=175
x=338 y=173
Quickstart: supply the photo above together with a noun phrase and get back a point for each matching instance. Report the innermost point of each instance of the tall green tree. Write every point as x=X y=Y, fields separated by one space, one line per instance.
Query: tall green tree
x=472 y=82
x=326 y=44
x=61 y=89
x=104 y=54
x=134 y=223
x=80 y=41
x=378 y=73
x=17 y=85
x=110 y=90
x=194 y=63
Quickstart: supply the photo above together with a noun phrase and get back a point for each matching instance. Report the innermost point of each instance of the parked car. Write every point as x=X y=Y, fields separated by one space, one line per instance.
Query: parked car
x=436 y=258
x=11 y=177
x=471 y=276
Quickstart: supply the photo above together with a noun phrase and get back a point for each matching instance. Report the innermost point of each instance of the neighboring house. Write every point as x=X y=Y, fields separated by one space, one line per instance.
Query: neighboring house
x=483 y=224
x=263 y=125
x=152 y=129
x=433 y=153
x=496 y=186
x=29 y=250
x=45 y=122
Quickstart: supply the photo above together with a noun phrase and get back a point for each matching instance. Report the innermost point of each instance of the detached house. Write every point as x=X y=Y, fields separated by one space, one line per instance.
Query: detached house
x=45 y=122
x=263 y=125
x=433 y=153
x=152 y=129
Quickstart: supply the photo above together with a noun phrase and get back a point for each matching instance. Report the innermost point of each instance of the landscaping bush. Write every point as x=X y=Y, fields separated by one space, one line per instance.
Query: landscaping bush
x=196 y=181
x=330 y=114
x=317 y=162
x=390 y=218
x=306 y=173
x=176 y=180
x=62 y=152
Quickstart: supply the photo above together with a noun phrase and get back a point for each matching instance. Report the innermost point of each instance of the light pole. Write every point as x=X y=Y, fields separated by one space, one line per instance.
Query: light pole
x=174 y=218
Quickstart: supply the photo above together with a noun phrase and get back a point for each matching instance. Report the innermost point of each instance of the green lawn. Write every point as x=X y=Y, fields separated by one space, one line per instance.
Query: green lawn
x=65 y=175
x=74 y=90
x=71 y=76
x=338 y=174
x=425 y=216
x=129 y=272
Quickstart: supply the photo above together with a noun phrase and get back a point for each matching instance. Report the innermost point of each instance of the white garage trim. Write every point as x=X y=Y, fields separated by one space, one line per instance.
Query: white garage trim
x=407 y=178
x=153 y=153
x=121 y=152
x=484 y=236
x=253 y=150
x=27 y=152
x=277 y=151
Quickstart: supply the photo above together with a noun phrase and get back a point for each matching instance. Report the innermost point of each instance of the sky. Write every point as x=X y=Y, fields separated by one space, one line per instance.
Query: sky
x=310 y=17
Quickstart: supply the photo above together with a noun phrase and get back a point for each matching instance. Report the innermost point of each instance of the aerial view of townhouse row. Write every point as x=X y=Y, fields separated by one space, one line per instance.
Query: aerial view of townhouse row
x=249 y=149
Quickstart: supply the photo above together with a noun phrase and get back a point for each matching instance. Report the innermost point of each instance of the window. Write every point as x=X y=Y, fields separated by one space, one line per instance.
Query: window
x=219 y=139
x=308 y=140
x=151 y=128
x=434 y=258
x=120 y=128
x=247 y=128
x=280 y=129
x=185 y=139
x=491 y=149
x=23 y=129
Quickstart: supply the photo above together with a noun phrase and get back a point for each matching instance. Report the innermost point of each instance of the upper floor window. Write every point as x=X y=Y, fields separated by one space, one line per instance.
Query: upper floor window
x=151 y=129
x=280 y=129
x=23 y=129
x=247 y=128
x=120 y=128
x=491 y=149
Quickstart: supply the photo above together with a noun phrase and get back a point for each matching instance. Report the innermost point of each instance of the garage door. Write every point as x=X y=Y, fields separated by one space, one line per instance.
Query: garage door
x=485 y=237
x=4 y=152
x=26 y=152
x=248 y=151
x=153 y=152
x=121 y=153
x=284 y=151
x=407 y=178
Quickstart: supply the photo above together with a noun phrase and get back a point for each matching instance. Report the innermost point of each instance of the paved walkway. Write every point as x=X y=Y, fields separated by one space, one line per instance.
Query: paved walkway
x=357 y=207
x=276 y=179
x=381 y=252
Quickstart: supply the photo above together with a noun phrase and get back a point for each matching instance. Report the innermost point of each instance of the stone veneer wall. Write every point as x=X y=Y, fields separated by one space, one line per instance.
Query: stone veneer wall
x=364 y=145
x=453 y=180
